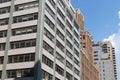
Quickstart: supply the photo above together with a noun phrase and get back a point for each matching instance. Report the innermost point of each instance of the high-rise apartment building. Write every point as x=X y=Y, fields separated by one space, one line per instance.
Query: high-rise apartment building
x=39 y=40
x=88 y=70
x=104 y=59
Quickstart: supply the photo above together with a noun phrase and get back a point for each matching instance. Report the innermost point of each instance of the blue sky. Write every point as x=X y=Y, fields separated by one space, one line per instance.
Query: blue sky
x=102 y=19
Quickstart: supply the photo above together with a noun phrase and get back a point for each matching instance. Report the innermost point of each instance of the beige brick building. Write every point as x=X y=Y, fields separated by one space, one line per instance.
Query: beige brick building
x=88 y=70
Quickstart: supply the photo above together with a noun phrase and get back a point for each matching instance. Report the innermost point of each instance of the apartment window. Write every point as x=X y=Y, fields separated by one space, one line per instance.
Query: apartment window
x=69 y=25
x=46 y=75
x=69 y=65
x=95 y=58
x=76 y=71
x=69 y=15
x=4 y=21
x=3 y=33
x=95 y=51
x=48 y=34
x=69 y=44
x=2 y=1
x=48 y=48
x=76 y=62
x=50 y=24
x=26 y=6
x=24 y=30
x=76 y=52
x=84 y=45
x=69 y=34
x=59 y=70
x=60 y=35
x=59 y=57
x=76 y=25
x=76 y=43
x=0 y=74
x=49 y=10
x=2 y=46
x=68 y=76
x=60 y=13
x=21 y=58
x=95 y=55
x=61 y=3
x=4 y=10
x=23 y=44
x=76 y=35
x=83 y=37
x=20 y=73
x=60 y=24
x=47 y=61
x=25 y=18
x=59 y=45
x=75 y=79
x=52 y=3
x=1 y=60
x=69 y=54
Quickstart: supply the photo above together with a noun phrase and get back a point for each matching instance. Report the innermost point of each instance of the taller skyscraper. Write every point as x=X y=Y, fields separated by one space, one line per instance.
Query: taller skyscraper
x=39 y=40
x=104 y=59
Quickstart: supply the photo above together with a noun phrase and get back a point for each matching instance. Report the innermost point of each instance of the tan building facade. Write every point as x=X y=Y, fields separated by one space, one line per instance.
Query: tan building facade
x=88 y=70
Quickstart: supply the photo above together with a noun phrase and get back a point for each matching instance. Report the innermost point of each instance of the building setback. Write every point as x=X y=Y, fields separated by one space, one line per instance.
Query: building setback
x=88 y=69
x=104 y=59
x=39 y=40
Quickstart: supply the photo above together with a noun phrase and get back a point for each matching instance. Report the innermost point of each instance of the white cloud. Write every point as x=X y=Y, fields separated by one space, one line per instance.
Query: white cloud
x=119 y=14
x=118 y=24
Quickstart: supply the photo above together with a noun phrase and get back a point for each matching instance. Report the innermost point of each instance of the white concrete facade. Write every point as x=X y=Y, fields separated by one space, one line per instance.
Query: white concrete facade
x=101 y=56
x=39 y=40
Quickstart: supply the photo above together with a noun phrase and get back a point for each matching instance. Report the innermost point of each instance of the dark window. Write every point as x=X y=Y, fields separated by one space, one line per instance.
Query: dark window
x=48 y=48
x=60 y=13
x=69 y=15
x=60 y=35
x=26 y=6
x=69 y=34
x=68 y=76
x=76 y=52
x=20 y=73
x=59 y=70
x=0 y=74
x=48 y=34
x=62 y=4
x=24 y=18
x=3 y=33
x=47 y=61
x=69 y=25
x=21 y=58
x=2 y=1
x=49 y=10
x=4 y=10
x=52 y=2
x=61 y=24
x=69 y=54
x=2 y=46
x=4 y=21
x=1 y=60
x=24 y=30
x=59 y=45
x=69 y=65
x=59 y=57
x=76 y=71
x=46 y=75
x=22 y=44
x=69 y=44
x=50 y=24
